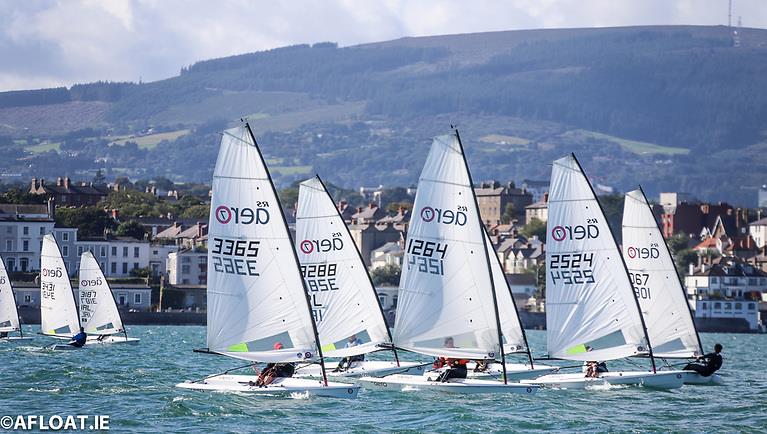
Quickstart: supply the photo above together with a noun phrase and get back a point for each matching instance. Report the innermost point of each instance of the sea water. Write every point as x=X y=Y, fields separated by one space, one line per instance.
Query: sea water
x=134 y=386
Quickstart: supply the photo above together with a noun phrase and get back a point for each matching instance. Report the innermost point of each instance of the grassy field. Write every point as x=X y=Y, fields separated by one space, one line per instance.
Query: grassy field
x=43 y=147
x=150 y=141
x=634 y=146
x=291 y=170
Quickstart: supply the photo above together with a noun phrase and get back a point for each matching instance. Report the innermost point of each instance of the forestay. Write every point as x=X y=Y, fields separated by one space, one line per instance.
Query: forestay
x=9 y=315
x=343 y=300
x=591 y=313
x=58 y=312
x=656 y=285
x=98 y=310
x=446 y=289
x=511 y=327
x=256 y=298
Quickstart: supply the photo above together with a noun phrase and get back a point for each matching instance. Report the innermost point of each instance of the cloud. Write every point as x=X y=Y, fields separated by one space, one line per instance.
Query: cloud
x=45 y=43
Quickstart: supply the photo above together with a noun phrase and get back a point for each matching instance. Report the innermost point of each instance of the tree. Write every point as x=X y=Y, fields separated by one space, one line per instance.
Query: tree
x=386 y=275
x=683 y=260
x=508 y=214
x=131 y=229
x=197 y=212
x=89 y=221
x=395 y=206
x=99 y=178
x=18 y=195
x=678 y=242
x=535 y=227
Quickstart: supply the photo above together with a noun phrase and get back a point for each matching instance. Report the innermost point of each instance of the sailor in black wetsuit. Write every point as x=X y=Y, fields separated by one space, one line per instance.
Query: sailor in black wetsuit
x=713 y=361
x=79 y=339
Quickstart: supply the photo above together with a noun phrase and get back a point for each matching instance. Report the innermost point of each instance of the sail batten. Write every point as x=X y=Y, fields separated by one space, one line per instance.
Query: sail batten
x=591 y=311
x=656 y=284
x=58 y=311
x=257 y=308
x=446 y=301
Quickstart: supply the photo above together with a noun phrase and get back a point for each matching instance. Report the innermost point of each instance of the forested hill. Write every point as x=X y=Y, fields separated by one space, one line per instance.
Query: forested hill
x=669 y=107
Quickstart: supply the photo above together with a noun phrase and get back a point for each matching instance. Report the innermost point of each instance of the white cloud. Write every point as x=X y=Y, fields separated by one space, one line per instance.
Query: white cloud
x=44 y=43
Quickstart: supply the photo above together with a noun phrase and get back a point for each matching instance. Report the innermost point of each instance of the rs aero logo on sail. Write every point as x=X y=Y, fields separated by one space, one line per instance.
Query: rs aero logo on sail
x=444 y=216
x=651 y=252
x=577 y=232
x=246 y=216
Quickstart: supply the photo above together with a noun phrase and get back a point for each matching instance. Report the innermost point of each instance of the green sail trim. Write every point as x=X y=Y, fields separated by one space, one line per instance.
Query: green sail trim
x=578 y=349
x=329 y=347
x=238 y=348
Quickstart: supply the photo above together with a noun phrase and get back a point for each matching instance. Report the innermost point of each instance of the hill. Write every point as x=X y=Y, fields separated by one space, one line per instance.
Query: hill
x=670 y=107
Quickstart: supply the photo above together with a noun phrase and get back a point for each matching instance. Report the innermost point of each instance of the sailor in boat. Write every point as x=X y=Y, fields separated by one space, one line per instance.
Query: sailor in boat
x=480 y=365
x=79 y=339
x=712 y=363
x=456 y=368
x=274 y=370
x=593 y=369
x=353 y=341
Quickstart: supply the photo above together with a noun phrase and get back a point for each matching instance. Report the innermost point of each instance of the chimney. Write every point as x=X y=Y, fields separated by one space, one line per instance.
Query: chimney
x=546 y=197
x=52 y=208
x=34 y=185
x=691 y=269
x=66 y=182
x=42 y=182
x=359 y=209
x=59 y=182
x=199 y=229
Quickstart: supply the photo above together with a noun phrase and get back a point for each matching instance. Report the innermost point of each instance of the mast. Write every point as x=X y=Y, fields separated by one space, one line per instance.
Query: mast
x=514 y=303
x=625 y=268
x=15 y=305
x=487 y=257
x=295 y=256
x=681 y=286
x=372 y=286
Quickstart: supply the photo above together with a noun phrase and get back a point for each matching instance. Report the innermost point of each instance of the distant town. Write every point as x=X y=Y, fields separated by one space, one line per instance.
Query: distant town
x=150 y=238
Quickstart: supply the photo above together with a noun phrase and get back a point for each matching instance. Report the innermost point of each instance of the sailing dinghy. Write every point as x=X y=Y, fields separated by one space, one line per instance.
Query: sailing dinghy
x=9 y=314
x=58 y=311
x=344 y=301
x=447 y=303
x=661 y=295
x=98 y=309
x=591 y=311
x=258 y=308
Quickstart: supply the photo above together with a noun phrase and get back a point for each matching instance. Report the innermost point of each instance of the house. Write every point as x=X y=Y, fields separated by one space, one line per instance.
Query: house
x=538 y=210
x=368 y=215
x=523 y=286
x=493 y=198
x=127 y=295
x=117 y=256
x=400 y=220
x=520 y=254
x=536 y=188
x=184 y=235
x=758 y=231
x=728 y=288
x=369 y=237
x=390 y=253
x=699 y=219
x=66 y=193
x=22 y=228
x=188 y=267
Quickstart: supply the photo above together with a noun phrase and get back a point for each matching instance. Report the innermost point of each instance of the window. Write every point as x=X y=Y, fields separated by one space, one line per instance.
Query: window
x=8 y=245
x=103 y=251
x=752 y=281
x=26 y=230
x=114 y=251
x=703 y=305
x=155 y=252
x=728 y=306
x=11 y=264
x=137 y=298
x=135 y=266
x=79 y=250
x=382 y=299
x=714 y=280
x=738 y=306
x=717 y=305
x=24 y=262
x=125 y=268
x=27 y=298
x=135 y=252
x=121 y=299
x=26 y=245
x=65 y=236
x=186 y=260
x=102 y=265
x=65 y=251
x=113 y=268
x=185 y=269
x=125 y=252
x=42 y=230
x=394 y=302
x=752 y=306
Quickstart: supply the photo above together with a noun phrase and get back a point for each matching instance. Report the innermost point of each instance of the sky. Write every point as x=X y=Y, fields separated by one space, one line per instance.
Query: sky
x=46 y=43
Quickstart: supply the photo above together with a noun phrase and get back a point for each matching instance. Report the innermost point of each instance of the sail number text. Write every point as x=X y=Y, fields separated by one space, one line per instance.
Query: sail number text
x=235 y=256
x=319 y=278
x=426 y=256
x=639 y=282
x=572 y=268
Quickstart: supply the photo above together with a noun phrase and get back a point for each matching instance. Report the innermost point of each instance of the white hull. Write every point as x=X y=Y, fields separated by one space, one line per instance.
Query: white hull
x=694 y=378
x=401 y=382
x=280 y=386
x=372 y=368
x=659 y=380
x=113 y=339
x=514 y=371
x=19 y=339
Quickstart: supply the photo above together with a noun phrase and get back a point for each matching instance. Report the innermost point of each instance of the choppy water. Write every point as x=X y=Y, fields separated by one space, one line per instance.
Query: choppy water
x=134 y=385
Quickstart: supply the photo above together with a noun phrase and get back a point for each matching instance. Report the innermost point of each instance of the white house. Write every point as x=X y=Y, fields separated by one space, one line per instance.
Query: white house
x=390 y=253
x=188 y=267
x=22 y=228
x=758 y=231
x=116 y=256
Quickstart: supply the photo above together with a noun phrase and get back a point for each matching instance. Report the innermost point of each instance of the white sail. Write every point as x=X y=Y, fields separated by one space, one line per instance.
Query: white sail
x=9 y=315
x=446 y=289
x=656 y=285
x=257 y=307
x=511 y=327
x=98 y=309
x=343 y=300
x=591 y=313
x=58 y=312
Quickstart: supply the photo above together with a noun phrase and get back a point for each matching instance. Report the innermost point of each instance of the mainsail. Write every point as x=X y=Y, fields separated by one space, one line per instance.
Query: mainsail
x=343 y=299
x=98 y=309
x=9 y=315
x=656 y=283
x=446 y=302
x=591 y=313
x=58 y=312
x=257 y=306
